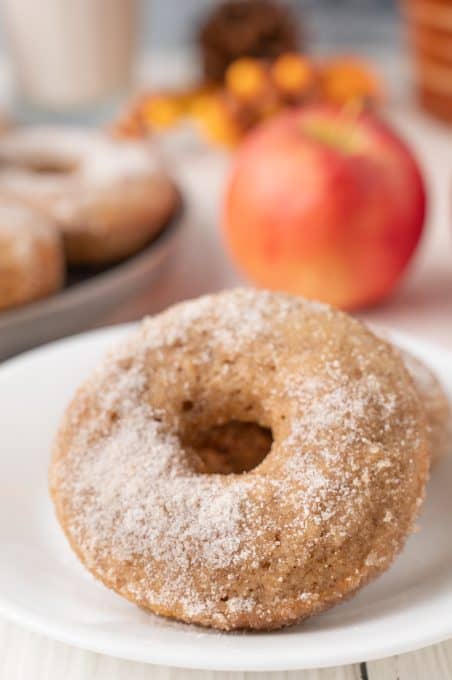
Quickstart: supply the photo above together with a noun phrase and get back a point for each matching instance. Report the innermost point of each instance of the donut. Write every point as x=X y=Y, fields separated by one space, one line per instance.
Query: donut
x=436 y=404
x=277 y=539
x=109 y=197
x=31 y=255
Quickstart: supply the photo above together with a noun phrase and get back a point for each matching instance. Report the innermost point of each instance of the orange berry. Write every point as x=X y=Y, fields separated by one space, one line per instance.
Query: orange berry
x=346 y=80
x=194 y=99
x=292 y=74
x=162 y=111
x=246 y=78
x=216 y=120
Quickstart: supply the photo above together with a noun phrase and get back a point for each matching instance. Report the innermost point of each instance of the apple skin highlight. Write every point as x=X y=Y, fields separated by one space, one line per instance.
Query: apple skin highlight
x=326 y=204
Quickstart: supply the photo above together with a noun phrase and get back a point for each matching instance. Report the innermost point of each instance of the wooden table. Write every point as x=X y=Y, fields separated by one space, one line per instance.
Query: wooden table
x=422 y=306
x=27 y=656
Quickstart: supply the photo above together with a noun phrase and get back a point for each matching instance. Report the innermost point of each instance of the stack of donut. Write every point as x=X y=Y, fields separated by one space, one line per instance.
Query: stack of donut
x=73 y=196
x=161 y=483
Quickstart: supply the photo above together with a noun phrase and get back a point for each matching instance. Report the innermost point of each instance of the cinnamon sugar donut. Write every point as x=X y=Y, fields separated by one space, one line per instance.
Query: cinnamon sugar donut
x=325 y=511
x=31 y=255
x=436 y=404
x=108 y=196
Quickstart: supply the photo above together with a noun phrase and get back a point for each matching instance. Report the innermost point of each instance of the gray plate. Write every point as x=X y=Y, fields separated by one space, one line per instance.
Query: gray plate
x=88 y=296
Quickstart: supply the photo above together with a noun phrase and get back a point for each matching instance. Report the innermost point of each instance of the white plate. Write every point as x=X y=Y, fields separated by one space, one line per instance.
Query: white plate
x=43 y=587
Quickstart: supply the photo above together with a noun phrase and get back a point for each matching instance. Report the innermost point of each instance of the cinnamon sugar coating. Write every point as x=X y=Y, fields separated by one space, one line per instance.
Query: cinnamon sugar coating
x=327 y=509
x=31 y=255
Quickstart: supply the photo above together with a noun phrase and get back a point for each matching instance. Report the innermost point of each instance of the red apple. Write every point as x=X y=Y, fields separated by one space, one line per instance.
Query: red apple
x=326 y=204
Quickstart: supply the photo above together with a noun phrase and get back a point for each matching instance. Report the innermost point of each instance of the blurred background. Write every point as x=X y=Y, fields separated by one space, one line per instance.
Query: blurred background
x=191 y=82
x=370 y=27
x=168 y=30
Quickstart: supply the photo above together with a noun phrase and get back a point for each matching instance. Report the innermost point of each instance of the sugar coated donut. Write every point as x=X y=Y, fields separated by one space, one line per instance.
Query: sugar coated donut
x=109 y=197
x=275 y=540
x=436 y=404
x=31 y=255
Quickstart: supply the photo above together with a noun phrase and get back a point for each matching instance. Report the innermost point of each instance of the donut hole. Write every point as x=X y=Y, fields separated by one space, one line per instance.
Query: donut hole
x=233 y=447
x=49 y=166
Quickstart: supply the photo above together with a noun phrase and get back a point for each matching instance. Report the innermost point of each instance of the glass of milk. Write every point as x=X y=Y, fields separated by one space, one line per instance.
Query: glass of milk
x=71 y=54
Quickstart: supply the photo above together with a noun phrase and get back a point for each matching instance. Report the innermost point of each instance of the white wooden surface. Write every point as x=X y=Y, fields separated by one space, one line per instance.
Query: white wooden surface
x=422 y=306
x=27 y=656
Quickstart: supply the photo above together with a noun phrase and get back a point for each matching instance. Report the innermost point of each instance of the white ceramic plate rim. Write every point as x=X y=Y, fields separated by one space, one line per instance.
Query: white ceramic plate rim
x=436 y=625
